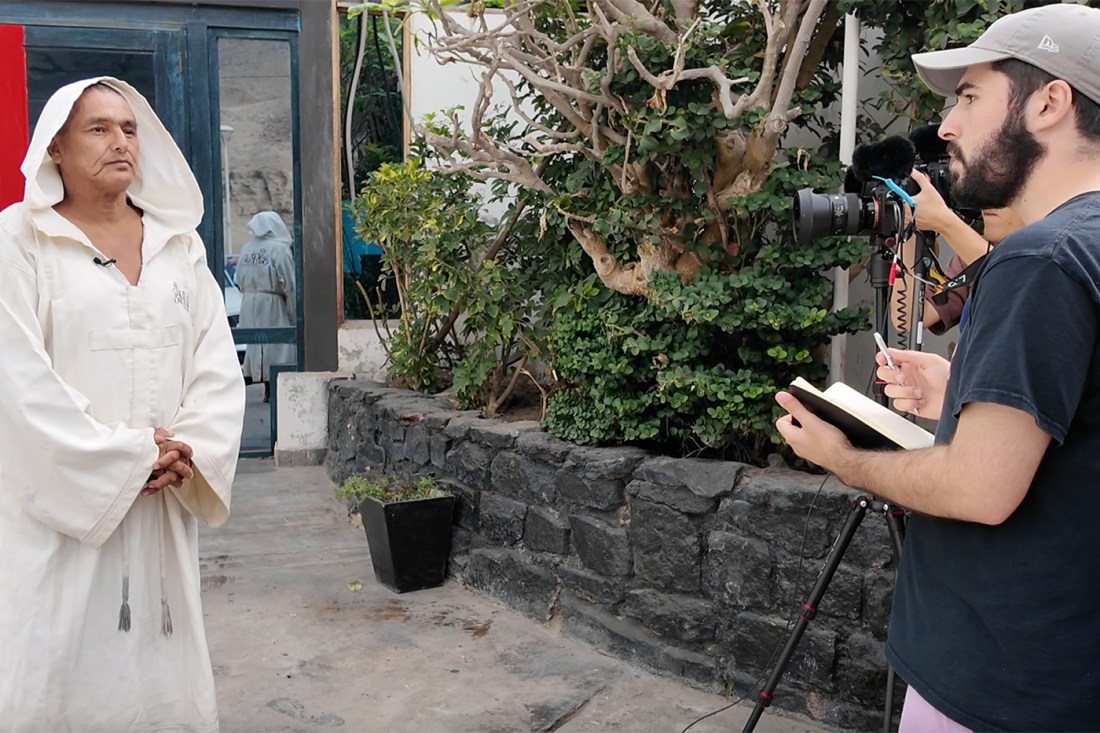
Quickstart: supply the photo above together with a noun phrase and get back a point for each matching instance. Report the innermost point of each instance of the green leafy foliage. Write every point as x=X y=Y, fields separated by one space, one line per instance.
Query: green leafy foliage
x=376 y=122
x=693 y=368
x=412 y=215
x=466 y=318
x=375 y=133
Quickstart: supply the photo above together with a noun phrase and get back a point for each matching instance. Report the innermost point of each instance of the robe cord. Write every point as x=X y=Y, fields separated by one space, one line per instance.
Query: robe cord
x=124 y=610
x=165 y=612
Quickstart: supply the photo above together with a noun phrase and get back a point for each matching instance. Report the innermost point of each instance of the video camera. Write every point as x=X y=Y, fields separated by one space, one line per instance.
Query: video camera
x=873 y=185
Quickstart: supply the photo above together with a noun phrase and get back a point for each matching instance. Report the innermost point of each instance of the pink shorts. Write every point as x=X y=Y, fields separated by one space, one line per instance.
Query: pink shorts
x=917 y=716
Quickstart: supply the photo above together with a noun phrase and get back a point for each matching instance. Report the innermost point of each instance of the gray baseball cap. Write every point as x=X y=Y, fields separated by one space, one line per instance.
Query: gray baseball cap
x=1062 y=40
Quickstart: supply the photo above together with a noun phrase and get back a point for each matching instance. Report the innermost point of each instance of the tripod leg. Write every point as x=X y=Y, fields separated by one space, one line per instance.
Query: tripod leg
x=809 y=608
x=888 y=712
x=895 y=522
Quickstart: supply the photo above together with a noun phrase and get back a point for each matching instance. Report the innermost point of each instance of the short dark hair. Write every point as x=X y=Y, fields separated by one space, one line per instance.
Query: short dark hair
x=1025 y=78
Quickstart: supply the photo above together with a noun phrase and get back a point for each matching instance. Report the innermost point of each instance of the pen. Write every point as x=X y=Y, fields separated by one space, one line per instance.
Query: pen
x=886 y=354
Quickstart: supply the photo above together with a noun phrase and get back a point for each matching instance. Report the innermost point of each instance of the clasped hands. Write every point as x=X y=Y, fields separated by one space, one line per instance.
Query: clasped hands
x=173 y=465
x=917 y=387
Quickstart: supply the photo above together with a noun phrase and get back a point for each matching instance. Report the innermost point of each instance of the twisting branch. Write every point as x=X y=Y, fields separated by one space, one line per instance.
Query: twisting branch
x=633 y=13
x=575 y=63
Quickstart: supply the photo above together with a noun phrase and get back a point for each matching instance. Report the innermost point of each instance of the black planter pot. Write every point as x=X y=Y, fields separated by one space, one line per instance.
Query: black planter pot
x=409 y=541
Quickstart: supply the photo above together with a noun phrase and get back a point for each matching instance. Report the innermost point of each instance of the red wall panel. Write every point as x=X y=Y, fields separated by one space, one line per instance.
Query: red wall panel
x=13 y=113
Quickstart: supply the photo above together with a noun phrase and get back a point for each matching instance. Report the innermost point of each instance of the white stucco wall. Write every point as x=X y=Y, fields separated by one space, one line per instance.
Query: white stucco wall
x=360 y=351
x=435 y=87
x=302 y=415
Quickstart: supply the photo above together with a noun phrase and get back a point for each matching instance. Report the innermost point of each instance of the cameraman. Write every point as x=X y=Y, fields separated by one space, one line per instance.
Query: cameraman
x=934 y=215
x=993 y=618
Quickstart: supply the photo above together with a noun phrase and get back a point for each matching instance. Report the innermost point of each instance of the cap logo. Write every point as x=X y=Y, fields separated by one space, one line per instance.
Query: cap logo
x=1048 y=44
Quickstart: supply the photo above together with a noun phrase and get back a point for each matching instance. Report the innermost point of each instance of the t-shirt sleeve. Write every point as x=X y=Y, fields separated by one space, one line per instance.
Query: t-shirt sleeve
x=1031 y=337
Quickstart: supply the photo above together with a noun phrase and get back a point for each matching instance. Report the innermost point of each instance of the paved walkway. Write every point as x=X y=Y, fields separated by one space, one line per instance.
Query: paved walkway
x=294 y=649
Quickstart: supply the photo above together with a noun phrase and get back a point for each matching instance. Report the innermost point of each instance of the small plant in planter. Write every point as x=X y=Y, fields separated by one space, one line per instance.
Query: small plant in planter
x=408 y=528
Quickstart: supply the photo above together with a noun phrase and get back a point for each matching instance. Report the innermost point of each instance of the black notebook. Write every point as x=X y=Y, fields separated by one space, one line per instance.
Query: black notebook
x=866 y=423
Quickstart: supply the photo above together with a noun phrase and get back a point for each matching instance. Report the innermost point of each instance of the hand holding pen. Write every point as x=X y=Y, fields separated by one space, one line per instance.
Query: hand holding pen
x=885 y=351
x=916 y=381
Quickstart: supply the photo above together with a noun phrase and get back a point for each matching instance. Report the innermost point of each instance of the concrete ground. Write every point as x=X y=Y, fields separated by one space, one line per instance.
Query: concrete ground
x=298 y=645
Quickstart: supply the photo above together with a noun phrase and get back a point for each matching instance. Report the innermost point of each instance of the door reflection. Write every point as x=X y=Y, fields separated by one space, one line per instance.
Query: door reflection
x=257 y=182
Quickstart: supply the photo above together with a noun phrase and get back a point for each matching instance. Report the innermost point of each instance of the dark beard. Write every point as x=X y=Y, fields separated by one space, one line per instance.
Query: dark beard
x=1000 y=167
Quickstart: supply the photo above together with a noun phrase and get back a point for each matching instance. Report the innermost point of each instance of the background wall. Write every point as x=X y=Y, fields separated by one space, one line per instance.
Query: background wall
x=435 y=87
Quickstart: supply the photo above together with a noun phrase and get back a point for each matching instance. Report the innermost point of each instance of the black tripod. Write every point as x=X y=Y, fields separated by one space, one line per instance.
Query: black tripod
x=894 y=521
x=879 y=268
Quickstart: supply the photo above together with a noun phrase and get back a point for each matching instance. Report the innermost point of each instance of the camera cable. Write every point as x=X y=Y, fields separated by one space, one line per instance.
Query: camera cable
x=902 y=324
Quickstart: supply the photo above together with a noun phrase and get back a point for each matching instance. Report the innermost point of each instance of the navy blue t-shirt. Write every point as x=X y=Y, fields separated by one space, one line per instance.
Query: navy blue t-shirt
x=995 y=626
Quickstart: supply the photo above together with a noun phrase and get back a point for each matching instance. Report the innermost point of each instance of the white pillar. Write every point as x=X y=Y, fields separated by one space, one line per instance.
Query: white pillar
x=849 y=110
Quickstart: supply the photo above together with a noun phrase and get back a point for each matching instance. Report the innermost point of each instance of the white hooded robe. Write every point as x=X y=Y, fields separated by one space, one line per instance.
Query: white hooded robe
x=265 y=275
x=90 y=366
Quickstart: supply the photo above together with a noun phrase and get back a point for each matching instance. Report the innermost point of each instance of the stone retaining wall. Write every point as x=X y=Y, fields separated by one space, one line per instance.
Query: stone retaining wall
x=688 y=567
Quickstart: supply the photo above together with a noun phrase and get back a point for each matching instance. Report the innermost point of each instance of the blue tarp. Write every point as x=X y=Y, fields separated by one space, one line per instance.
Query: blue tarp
x=354 y=246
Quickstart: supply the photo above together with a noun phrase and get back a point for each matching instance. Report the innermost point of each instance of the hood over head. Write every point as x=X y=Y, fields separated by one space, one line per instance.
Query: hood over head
x=269 y=225
x=164 y=187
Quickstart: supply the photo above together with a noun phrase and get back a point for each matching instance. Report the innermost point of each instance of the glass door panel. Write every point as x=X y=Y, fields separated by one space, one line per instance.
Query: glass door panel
x=259 y=254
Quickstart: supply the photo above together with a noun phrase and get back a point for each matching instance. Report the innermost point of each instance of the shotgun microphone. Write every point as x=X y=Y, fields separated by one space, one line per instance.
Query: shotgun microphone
x=891 y=158
x=929 y=146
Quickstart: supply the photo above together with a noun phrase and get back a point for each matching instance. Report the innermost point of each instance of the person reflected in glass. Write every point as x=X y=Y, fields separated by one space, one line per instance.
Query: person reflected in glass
x=265 y=276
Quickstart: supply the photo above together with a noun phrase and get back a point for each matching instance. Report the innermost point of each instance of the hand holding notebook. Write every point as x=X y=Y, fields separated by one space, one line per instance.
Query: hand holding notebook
x=863 y=421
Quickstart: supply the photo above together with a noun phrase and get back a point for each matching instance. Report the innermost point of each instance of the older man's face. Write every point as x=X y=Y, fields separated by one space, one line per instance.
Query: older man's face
x=97 y=149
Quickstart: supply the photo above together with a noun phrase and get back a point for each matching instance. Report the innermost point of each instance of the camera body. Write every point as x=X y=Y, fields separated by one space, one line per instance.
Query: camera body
x=876 y=210
x=940 y=177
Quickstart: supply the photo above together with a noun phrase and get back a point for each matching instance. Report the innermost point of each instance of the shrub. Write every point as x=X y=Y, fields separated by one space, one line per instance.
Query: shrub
x=465 y=310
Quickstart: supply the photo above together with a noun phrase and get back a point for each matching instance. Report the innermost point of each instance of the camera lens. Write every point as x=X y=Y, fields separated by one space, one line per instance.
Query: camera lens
x=822 y=215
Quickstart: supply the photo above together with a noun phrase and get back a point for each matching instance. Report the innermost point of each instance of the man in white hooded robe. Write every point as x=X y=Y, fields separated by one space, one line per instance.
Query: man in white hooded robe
x=265 y=275
x=105 y=342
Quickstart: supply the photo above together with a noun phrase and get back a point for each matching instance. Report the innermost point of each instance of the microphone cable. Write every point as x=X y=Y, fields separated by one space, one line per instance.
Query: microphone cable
x=901 y=326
